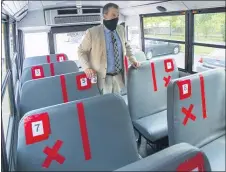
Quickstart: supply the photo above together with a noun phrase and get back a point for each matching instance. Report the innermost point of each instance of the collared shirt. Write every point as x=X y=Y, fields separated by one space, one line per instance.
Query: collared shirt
x=110 y=50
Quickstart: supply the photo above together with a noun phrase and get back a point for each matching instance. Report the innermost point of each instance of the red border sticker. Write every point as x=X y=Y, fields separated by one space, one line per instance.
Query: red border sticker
x=83 y=83
x=37 y=128
x=184 y=89
x=61 y=57
x=37 y=72
x=194 y=163
x=126 y=64
x=168 y=64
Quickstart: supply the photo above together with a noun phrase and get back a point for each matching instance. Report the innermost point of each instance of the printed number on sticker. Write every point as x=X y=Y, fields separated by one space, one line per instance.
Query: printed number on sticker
x=37 y=128
x=169 y=66
x=185 y=88
x=37 y=72
x=83 y=82
x=61 y=59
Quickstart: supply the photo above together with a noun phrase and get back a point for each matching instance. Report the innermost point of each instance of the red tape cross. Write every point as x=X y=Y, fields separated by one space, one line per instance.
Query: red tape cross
x=153 y=76
x=167 y=80
x=84 y=131
x=52 y=154
x=188 y=114
x=196 y=162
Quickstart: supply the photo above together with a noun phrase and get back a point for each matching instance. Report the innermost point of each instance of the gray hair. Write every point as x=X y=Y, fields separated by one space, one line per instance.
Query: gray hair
x=109 y=5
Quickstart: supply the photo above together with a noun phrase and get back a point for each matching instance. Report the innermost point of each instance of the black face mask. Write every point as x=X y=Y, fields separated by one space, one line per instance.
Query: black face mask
x=111 y=24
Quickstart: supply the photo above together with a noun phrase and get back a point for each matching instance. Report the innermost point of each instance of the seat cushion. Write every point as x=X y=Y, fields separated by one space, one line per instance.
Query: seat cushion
x=215 y=152
x=153 y=127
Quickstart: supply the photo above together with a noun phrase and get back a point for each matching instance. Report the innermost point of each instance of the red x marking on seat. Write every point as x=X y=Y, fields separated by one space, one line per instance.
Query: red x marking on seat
x=52 y=154
x=167 y=80
x=188 y=114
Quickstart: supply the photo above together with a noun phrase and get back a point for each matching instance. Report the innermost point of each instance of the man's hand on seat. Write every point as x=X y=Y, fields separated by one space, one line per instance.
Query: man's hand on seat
x=136 y=64
x=90 y=73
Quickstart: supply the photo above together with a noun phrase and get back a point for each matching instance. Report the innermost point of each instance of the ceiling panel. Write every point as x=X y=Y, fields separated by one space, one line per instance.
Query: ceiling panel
x=207 y=4
x=170 y=6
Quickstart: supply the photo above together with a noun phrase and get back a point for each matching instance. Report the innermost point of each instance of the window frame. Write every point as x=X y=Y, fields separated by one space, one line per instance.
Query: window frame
x=8 y=143
x=189 y=33
x=165 y=14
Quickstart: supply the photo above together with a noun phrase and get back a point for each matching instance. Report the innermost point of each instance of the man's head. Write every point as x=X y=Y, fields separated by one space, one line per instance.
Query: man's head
x=110 y=11
x=111 y=14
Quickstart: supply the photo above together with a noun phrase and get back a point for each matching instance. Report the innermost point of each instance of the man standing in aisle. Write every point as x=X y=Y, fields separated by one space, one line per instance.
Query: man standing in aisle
x=102 y=52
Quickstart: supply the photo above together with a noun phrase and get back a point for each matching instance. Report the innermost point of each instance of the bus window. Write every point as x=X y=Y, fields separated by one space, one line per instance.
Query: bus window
x=165 y=28
x=3 y=67
x=6 y=111
x=68 y=43
x=36 y=44
x=209 y=28
x=134 y=37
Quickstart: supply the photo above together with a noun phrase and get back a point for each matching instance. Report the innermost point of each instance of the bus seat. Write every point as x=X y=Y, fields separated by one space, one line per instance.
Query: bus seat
x=36 y=60
x=66 y=137
x=48 y=69
x=55 y=90
x=147 y=95
x=140 y=56
x=196 y=113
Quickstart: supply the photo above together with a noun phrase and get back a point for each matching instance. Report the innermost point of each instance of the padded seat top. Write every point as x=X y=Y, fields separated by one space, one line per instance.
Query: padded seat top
x=36 y=60
x=48 y=69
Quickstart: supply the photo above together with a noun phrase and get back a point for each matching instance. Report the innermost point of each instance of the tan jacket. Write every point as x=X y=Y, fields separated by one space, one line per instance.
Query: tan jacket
x=92 y=51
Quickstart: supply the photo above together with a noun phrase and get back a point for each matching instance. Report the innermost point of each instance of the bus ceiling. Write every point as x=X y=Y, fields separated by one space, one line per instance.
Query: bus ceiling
x=30 y=14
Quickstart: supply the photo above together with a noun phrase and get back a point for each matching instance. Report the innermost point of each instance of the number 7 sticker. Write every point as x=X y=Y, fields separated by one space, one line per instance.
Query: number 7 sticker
x=61 y=57
x=37 y=128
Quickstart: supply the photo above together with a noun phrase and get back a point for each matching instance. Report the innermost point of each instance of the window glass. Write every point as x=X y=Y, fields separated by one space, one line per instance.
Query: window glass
x=6 y=111
x=11 y=41
x=165 y=27
x=36 y=44
x=3 y=67
x=68 y=43
x=134 y=37
x=157 y=49
x=210 y=28
x=208 y=58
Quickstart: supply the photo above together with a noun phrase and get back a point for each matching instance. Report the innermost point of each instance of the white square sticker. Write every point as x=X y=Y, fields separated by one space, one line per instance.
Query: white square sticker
x=37 y=128
x=61 y=58
x=83 y=82
x=169 y=65
x=196 y=169
x=185 y=88
x=37 y=72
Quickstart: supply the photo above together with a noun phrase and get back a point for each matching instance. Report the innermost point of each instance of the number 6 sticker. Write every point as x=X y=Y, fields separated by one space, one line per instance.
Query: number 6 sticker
x=184 y=89
x=37 y=128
